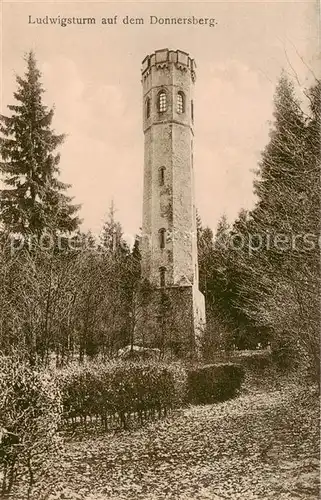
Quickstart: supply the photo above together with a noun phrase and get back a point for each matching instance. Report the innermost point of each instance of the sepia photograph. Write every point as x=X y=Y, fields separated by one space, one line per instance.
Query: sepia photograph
x=160 y=250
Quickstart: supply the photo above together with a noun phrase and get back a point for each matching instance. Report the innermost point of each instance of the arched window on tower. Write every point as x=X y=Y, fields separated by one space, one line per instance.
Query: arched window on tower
x=180 y=102
x=147 y=107
x=162 y=176
x=162 y=276
x=162 y=238
x=162 y=101
x=192 y=110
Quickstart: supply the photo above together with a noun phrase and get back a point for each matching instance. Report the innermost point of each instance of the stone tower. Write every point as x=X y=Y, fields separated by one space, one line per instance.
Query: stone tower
x=175 y=315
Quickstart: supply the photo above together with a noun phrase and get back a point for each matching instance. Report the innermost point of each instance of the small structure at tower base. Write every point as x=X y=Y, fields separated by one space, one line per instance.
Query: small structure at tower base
x=171 y=319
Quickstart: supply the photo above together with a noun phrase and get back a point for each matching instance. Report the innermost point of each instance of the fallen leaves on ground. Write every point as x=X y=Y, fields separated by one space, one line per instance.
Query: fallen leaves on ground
x=257 y=446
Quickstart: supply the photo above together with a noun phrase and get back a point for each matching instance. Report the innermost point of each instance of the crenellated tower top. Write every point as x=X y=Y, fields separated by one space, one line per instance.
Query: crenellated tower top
x=163 y=58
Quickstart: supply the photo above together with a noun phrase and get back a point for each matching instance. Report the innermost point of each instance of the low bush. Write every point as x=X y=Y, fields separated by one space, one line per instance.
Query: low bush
x=115 y=393
x=285 y=354
x=30 y=415
x=257 y=361
x=212 y=383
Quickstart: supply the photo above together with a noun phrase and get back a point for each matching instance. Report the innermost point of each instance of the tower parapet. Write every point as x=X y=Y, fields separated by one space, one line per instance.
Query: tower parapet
x=163 y=57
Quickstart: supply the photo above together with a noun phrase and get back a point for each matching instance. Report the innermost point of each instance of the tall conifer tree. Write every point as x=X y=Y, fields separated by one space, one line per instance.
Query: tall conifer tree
x=282 y=165
x=34 y=199
x=111 y=236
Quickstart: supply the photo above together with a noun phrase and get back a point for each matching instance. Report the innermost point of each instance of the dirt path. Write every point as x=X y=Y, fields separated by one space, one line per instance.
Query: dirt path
x=258 y=446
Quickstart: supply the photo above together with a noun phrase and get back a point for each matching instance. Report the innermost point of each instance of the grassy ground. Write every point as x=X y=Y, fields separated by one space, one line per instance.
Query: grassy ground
x=261 y=445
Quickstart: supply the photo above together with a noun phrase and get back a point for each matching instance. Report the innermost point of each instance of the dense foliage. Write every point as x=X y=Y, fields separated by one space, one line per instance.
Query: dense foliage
x=261 y=275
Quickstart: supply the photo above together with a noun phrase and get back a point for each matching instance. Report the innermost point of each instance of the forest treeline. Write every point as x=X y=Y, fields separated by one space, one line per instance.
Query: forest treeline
x=260 y=275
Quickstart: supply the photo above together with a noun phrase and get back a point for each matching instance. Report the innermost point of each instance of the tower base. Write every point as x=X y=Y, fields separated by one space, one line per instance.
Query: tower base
x=171 y=319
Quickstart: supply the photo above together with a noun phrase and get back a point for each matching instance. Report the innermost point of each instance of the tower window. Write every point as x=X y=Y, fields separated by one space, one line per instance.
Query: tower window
x=162 y=176
x=162 y=273
x=147 y=107
x=162 y=102
x=180 y=102
x=162 y=236
x=192 y=110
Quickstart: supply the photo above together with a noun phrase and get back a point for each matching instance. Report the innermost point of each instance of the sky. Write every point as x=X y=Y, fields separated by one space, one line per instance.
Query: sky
x=92 y=77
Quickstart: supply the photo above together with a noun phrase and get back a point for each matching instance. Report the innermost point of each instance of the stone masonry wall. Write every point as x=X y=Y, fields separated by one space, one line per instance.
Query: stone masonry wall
x=169 y=201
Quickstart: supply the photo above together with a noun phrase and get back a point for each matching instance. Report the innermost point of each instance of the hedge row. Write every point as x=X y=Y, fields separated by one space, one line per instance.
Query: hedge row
x=115 y=393
x=212 y=383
